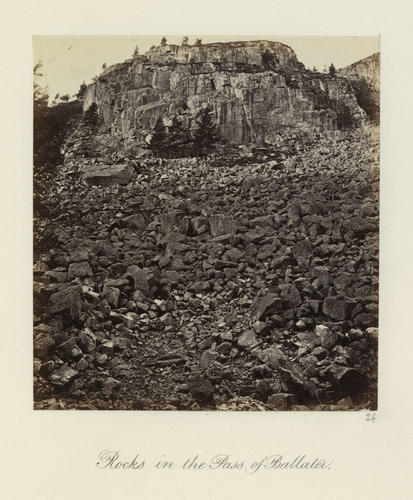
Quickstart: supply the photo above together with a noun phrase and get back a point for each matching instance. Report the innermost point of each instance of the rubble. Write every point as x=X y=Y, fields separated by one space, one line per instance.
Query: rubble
x=231 y=286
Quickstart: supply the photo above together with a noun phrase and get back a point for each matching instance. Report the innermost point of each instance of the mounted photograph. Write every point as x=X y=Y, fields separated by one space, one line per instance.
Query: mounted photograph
x=206 y=223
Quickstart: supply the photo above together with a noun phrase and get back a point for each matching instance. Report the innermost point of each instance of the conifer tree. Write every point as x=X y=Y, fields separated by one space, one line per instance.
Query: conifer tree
x=205 y=133
x=158 y=142
x=177 y=137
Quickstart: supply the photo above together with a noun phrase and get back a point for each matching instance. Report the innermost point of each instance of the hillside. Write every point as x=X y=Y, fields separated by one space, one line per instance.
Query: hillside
x=243 y=278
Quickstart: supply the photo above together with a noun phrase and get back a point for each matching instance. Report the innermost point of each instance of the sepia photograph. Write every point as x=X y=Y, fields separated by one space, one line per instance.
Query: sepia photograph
x=206 y=223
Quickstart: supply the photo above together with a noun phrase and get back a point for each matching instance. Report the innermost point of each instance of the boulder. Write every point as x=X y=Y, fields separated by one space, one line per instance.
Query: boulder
x=106 y=175
x=66 y=302
x=63 y=376
x=200 y=388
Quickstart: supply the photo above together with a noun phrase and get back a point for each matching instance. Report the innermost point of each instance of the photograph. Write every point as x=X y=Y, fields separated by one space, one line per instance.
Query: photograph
x=206 y=222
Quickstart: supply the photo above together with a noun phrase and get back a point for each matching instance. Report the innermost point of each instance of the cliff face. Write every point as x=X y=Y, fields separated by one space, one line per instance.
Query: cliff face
x=365 y=78
x=256 y=90
x=367 y=69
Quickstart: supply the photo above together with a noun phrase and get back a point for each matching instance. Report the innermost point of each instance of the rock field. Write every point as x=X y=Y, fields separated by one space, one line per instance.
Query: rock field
x=236 y=282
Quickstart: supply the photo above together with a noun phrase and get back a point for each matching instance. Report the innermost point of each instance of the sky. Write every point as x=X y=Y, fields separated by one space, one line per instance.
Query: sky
x=67 y=61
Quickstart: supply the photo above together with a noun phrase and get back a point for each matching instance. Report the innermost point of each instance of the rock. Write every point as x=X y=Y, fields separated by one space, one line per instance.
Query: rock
x=220 y=224
x=200 y=388
x=82 y=364
x=42 y=344
x=373 y=334
x=56 y=276
x=112 y=295
x=87 y=340
x=107 y=347
x=335 y=308
x=140 y=278
x=67 y=302
x=110 y=386
x=63 y=376
x=167 y=319
x=79 y=270
x=290 y=295
x=272 y=357
x=345 y=404
x=101 y=358
x=135 y=221
x=348 y=381
x=69 y=349
x=263 y=305
x=37 y=365
x=319 y=352
x=81 y=255
x=248 y=340
x=328 y=337
x=224 y=348
x=208 y=358
x=106 y=175
x=281 y=401
x=302 y=251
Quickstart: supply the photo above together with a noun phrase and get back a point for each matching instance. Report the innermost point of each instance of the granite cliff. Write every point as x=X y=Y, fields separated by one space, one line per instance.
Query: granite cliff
x=364 y=76
x=367 y=69
x=256 y=89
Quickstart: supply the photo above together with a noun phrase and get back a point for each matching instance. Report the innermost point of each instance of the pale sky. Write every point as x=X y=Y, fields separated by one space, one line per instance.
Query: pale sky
x=70 y=60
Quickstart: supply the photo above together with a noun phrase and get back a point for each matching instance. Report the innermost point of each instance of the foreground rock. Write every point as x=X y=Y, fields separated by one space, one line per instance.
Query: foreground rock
x=232 y=285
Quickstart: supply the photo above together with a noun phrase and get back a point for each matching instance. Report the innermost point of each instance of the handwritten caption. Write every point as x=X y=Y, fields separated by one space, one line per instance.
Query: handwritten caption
x=115 y=460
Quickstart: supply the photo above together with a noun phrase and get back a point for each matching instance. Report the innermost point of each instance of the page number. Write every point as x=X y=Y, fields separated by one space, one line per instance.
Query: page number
x=370 y=417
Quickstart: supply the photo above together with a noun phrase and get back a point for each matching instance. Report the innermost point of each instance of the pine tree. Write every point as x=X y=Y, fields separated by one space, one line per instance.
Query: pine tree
x=136 y=52
x=332 y=70
x=163 y=41
x=205 y=133
x=198 y=42
x=82 y=91
x=185 y=41
x=158 y=142
x=177 y=136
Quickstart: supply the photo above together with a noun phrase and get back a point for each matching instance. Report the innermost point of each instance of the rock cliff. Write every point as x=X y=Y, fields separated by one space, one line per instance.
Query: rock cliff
x=367 y=69
x=364 y=76
x=256 y=90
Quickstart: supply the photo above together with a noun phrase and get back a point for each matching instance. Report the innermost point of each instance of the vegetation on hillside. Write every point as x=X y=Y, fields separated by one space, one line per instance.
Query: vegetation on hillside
x=184 y=138
x=49 y=129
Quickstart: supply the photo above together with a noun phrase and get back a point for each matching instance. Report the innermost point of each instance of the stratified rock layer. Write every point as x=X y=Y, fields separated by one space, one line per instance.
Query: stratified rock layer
x=255 y=89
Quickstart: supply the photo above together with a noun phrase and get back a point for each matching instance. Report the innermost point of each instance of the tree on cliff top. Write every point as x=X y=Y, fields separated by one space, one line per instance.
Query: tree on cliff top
x=205 y=133
x=332 y=70
x=82 y=91
x=163 y=41
x=198 y=42
x=136 y=52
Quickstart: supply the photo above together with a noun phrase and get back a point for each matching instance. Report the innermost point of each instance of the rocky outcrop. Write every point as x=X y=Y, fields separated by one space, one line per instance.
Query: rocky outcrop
x=255 y=89
x=367 y=69
x=365 y=78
